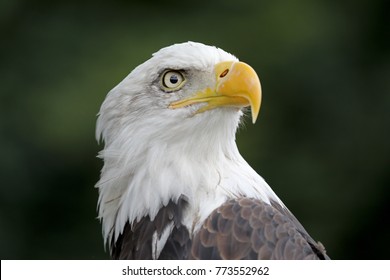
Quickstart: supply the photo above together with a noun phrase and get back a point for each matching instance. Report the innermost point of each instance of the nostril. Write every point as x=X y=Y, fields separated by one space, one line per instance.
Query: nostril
x=224 y=73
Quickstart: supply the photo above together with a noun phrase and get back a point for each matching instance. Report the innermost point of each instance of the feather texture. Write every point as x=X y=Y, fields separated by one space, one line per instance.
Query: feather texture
x=240 y=229
x=247 y=228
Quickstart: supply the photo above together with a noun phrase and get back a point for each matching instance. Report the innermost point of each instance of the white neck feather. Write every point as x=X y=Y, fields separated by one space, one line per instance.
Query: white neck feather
x=200 y=162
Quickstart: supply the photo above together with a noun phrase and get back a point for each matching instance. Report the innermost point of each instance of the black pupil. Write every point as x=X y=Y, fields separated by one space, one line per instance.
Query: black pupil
x=174 y=79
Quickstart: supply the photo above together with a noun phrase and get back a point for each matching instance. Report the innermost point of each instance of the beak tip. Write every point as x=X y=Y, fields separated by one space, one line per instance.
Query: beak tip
x=255 y=109
x=254 y=118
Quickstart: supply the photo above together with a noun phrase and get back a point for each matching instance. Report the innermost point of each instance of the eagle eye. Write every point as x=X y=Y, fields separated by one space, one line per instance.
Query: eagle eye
x=172 y=80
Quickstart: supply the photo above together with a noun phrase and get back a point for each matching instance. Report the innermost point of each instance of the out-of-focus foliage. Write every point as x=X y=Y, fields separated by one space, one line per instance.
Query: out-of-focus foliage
x=321 y=141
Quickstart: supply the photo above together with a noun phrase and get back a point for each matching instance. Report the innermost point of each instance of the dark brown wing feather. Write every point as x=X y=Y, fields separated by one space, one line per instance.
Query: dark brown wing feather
x=243 y=228
x=247 y=228
x=135 y=242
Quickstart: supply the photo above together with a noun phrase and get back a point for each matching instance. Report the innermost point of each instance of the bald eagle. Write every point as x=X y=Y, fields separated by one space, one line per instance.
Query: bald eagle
x=173 y=184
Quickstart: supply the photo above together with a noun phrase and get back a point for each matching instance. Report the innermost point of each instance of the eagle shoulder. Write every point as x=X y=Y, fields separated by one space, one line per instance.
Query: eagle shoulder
x=248 y=228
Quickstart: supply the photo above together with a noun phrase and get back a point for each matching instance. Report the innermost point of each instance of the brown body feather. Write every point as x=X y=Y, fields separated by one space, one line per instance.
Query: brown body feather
x=247 y=228
x=243 y=228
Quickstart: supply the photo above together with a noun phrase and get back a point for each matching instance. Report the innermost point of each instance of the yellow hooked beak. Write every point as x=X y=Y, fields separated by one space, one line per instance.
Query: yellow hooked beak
x=237 y=85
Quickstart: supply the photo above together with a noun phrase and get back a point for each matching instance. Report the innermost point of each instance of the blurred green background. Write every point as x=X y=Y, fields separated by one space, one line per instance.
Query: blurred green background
x=321 y=141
